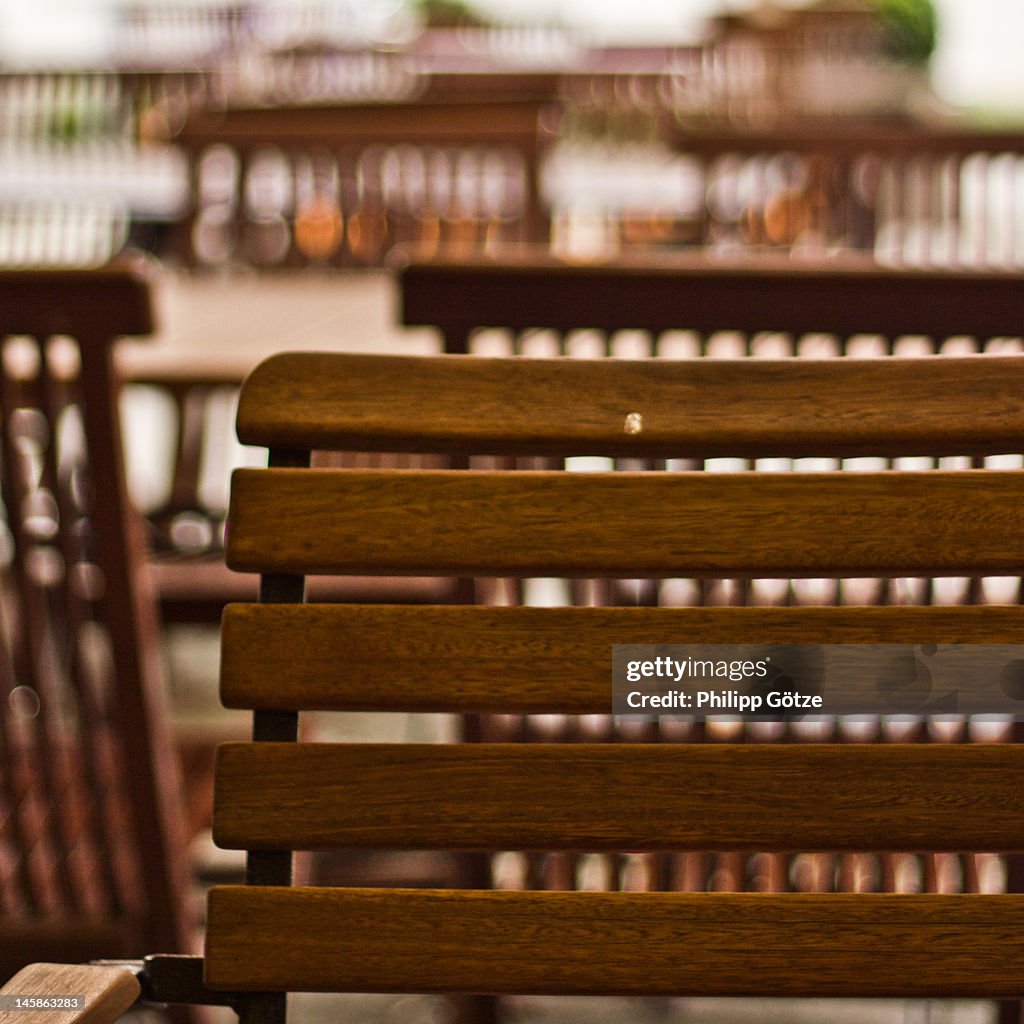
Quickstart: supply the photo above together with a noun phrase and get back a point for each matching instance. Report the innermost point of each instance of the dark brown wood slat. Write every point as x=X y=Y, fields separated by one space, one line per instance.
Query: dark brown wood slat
x=846 y=296
x=584 y=796
x=334 y=657
x=27 y=304
x=438 y=122
x=834 y=137
x=32 y=939
x=627 y=524
x=636 y=408
x=614 y=943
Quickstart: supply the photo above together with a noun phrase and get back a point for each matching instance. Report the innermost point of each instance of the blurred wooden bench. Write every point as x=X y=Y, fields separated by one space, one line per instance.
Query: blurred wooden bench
x=282 y=657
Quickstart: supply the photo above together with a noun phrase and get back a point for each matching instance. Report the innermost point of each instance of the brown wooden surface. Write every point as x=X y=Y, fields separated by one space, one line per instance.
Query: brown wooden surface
x=627 y=524
x=513 y=660
x=197 y=589
x=851 y=295
x=641 y=797
x=433 y=122
x=64 y=941
x=107 y=991
x=584 y=796
x=615 y=943
x=109 y=301
x=687 y=408
x=836 y=138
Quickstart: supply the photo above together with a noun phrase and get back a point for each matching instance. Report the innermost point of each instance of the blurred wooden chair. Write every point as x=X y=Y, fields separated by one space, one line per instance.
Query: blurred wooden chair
x=283 y=656
x=92 y=843
x=670 y=304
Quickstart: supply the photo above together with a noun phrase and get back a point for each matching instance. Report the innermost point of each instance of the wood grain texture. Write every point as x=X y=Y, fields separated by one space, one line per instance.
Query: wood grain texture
x=85 y=777
x=586 y=796
x=570 y=407
x=334 y=657
x=615 y=943
x=685 y=291
x=108 y=992
x=627 y=524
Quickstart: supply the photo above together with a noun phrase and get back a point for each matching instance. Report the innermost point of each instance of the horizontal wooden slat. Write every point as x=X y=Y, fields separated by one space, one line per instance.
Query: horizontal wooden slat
x=28 y=940
x=686 y=291
x=45 y=302
x=585 y=796
x=836 y=137
x=685 y=408
x=439 y=122
x=627 y=524
x=615 y=943
x=335 y=657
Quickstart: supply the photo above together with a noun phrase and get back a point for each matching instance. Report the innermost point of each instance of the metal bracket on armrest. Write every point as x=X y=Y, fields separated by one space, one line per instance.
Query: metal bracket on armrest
x=170 y=978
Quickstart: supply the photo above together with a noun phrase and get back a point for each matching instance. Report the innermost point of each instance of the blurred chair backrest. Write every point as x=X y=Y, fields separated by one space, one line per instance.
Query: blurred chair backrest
x=706 y=295
x=283 y=657
x=92 y=857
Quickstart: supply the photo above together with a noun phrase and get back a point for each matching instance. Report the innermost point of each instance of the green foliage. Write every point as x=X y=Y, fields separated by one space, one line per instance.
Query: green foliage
x=448 y=13
x=912 y=28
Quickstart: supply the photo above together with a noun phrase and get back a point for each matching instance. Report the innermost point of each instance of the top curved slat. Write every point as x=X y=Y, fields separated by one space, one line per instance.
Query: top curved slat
x=692 y=408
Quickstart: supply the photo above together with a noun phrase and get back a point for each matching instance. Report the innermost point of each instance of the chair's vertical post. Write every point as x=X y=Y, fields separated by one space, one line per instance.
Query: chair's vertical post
x=274 y=867
x=130 y=612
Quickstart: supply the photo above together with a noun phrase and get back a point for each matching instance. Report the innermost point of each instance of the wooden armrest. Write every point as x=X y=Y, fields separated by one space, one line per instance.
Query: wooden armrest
x=107 y=992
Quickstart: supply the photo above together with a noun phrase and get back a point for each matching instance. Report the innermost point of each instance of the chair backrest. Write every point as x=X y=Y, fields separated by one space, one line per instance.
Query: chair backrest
x=686 y=292
x=92 y=856
x=283 y=657
x=688 y=305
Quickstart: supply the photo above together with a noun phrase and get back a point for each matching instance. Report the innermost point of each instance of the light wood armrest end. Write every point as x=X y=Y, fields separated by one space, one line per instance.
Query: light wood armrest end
x=106 y=993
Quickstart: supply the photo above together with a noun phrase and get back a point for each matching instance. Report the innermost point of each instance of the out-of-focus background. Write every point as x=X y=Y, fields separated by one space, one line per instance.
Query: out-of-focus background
x=216 y=134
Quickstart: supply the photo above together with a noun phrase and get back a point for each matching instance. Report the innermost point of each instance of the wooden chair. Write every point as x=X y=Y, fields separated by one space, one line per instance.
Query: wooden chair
x=92 y=844
x=282 y=657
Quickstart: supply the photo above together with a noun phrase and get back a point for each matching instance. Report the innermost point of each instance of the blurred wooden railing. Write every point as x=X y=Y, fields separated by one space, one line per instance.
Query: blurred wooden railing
x=329 y=162
x=339 y=185
x=908 y=194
